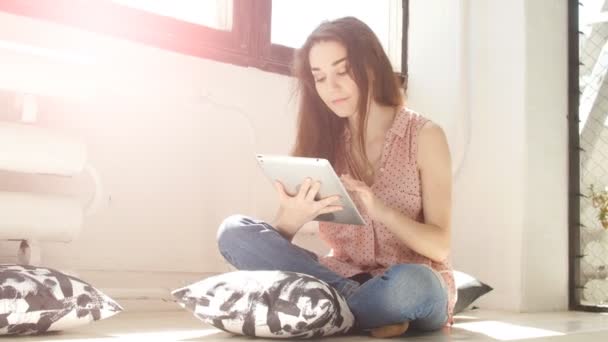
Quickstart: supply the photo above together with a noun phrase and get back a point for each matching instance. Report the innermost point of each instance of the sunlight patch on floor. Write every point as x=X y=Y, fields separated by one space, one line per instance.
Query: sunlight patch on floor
x=506 y=331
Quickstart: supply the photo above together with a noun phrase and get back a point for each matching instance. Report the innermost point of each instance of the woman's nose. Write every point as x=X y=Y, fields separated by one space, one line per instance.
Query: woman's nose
x=333 y=82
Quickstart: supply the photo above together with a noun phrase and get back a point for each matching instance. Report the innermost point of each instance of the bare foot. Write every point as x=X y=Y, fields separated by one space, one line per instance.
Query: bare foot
x=390 y=330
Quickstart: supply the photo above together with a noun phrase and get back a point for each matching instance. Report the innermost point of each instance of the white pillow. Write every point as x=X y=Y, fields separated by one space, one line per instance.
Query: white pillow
x=34 y=300
x=268 y=304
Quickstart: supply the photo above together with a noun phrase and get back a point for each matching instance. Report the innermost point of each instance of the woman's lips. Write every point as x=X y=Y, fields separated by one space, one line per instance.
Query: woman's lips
x=339 y=101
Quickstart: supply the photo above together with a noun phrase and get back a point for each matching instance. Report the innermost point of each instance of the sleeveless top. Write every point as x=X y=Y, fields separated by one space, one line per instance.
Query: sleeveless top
x=373 y=248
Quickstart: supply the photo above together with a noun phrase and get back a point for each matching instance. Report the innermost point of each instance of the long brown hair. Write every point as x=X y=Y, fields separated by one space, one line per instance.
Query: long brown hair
x=320 y=131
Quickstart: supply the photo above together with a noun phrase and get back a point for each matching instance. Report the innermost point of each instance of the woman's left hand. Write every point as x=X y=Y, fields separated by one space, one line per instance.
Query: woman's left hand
x=374 y=206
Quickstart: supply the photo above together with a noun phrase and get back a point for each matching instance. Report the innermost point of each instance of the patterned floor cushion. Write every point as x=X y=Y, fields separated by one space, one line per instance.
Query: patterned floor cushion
x=469 y=290
x=34 y=300
x=268 y=304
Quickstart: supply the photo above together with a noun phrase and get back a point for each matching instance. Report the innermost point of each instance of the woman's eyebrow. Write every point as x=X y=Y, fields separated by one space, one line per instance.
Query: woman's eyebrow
x=338 y=61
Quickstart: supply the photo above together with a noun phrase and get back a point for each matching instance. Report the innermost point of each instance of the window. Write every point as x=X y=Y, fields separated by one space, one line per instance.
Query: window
x=292 y=21
x=216 y=14
x=588 y=155
x=255 y=33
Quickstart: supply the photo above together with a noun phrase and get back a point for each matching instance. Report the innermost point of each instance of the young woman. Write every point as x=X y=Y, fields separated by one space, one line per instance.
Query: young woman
x=394 y=272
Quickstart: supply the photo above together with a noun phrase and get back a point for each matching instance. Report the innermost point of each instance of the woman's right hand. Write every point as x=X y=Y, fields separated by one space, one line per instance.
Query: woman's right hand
x=295 y=211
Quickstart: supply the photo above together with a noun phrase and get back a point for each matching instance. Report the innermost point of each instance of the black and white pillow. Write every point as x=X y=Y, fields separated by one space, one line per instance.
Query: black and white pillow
x=268 y=304
x=34 y=300
x=469 y=290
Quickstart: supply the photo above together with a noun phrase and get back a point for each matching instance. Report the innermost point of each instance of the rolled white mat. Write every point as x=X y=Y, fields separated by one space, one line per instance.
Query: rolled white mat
x=39 y=217
x=32 y=149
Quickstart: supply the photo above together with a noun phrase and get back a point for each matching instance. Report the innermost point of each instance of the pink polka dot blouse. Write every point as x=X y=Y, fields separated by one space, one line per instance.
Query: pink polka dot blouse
x=373 y=248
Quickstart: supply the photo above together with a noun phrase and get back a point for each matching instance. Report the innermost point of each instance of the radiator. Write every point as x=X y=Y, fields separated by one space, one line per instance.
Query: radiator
x=32 y=217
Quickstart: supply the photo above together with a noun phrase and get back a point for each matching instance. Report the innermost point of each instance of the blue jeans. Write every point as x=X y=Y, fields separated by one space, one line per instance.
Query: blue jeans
x=405 y=292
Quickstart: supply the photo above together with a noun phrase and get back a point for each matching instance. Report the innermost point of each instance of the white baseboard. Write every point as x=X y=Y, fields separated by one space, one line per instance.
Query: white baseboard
x=8 y=251
x=141 y=290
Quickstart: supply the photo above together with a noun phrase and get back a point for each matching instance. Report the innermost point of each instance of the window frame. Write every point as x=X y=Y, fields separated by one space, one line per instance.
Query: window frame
x=247 y=44
x=575 y=153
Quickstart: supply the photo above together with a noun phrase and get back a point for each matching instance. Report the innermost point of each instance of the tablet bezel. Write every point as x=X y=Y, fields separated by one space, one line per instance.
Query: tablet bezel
x=292 y=171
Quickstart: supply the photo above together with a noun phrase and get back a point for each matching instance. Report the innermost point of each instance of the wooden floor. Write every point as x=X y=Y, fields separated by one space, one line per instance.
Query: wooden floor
x=476 y=325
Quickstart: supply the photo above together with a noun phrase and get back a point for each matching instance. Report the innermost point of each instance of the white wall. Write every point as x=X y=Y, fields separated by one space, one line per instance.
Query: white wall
x=174 y=136
x=438 y=67
x=545 y=233
x=510 y=202
x=488 y=199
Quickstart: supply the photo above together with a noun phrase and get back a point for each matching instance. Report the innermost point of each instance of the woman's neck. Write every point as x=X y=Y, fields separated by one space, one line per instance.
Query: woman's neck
x=379 y=121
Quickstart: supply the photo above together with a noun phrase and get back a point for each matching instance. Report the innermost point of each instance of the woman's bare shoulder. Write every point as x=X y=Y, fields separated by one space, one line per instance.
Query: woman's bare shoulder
x=433 y=146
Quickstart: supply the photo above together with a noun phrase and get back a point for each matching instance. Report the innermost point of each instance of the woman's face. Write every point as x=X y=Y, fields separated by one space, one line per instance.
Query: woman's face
x=332 y=77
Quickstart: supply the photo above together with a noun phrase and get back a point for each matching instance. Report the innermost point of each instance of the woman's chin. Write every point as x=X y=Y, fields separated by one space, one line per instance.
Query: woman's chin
x=343 y=114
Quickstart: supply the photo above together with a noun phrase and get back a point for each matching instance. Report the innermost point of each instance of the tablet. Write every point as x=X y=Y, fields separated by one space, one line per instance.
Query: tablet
x=292 y=171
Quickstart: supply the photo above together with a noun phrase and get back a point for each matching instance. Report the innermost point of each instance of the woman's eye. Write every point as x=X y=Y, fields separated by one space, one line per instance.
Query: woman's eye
x=320 y=79
x=343 y=72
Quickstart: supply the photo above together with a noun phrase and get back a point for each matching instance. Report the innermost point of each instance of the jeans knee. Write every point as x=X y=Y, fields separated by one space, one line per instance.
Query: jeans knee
x=229 y=228
x=418 y=275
